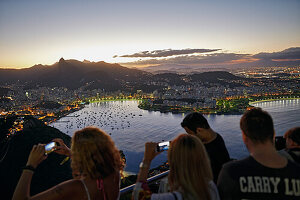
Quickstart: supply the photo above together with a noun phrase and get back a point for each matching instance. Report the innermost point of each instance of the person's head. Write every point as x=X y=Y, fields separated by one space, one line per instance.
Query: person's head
x=193 y=122
x=292 y=137
x=189 y=166
x=257 y=125
x=94 y=154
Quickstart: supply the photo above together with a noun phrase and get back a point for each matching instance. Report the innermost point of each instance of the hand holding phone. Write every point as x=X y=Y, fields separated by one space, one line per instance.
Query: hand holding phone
x=50 y=147
x=37 y=155
x=62 y=149
x=163 y=146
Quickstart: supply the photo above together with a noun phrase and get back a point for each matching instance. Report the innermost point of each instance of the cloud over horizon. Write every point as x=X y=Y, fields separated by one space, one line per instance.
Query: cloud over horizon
x=290 y=53
x=287 y=56
x=196 y=59
x=166 y=53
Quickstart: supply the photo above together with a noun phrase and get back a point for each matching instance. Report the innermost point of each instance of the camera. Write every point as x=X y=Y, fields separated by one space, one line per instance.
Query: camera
x=163 y=146
x=280 y=143
x=50 y=147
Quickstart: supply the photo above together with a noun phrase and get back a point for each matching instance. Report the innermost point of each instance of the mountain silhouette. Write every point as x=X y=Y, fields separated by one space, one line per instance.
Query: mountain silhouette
x=215 y=76
x=74 y=74
x=87 y=75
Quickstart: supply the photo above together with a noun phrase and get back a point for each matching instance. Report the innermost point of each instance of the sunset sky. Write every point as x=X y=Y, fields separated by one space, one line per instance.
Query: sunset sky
x=148 y=32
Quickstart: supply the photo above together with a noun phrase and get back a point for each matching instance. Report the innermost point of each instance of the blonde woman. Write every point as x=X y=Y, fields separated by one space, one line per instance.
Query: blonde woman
x=190 y=175
x=96 y=162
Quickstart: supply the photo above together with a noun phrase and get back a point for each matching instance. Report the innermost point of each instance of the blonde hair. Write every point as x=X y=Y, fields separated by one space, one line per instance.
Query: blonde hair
x=190 y=169
x=94 y=154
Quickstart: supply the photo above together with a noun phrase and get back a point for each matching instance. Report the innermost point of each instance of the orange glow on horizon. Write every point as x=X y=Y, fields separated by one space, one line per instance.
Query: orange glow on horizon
x=285 y=60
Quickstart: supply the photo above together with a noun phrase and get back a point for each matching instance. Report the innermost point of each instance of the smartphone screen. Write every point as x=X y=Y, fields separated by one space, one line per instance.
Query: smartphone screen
x=50 y=147
x=163 y=146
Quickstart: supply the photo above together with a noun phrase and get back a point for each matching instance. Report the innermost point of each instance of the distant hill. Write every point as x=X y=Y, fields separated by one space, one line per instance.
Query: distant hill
x=213 y=76
x=74 y=74
x=87 y=75
x=221 y=77
x=182 y=69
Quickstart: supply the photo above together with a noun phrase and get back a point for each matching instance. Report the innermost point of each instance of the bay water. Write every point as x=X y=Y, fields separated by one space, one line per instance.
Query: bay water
x=130 y=127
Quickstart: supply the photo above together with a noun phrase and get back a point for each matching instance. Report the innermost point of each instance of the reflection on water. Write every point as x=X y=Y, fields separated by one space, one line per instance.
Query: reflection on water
x=285 y=113
x=130 y=127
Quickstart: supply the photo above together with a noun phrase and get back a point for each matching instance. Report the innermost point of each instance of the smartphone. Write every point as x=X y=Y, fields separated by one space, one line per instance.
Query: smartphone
x=280 y=143
x=163 y=146
x=50 y=147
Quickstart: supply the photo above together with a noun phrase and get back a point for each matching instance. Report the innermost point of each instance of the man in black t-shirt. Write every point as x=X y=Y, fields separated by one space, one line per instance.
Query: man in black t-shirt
x=195 y=124
x=264 y=174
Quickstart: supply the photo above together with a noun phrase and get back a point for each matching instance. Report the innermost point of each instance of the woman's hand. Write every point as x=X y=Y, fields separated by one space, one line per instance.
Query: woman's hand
x=37 y=155
x=150 y=152
x=62 y=148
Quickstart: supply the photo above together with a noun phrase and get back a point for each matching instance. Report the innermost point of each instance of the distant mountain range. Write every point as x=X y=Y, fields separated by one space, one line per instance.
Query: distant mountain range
x=182 y=69
x=87 y=75
x=73 y=74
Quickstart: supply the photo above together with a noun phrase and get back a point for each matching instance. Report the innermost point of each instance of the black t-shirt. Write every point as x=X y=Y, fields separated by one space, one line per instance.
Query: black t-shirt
x=295 y=154
x=218 y=155
x=248 y=179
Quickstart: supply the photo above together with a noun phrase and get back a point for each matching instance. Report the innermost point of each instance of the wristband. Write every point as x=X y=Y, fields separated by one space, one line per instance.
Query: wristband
x=29 y=167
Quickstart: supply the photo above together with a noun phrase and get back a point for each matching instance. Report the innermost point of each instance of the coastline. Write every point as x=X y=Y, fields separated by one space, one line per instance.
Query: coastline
x=107 y=100
x=269 y=100
x=170 y=109
x=211 y=111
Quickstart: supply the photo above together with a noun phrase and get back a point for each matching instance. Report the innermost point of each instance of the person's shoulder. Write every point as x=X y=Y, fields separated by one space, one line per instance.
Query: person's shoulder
x=76 y=184
x=67 y=189
x=238 y=164
x=219 y=138
x=293 y=165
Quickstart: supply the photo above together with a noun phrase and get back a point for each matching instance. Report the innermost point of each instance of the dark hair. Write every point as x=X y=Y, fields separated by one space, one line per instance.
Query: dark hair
x=257 y=125
x=195 y=120
x=293 y=134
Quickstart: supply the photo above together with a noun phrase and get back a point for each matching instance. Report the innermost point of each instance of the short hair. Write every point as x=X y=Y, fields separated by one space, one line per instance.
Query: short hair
x=257 y=125
x=293 y=134
x=195 y=120
x=94 y=153
x=189 y=167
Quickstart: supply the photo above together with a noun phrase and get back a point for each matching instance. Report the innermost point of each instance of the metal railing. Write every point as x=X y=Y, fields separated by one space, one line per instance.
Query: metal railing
x=150 y=180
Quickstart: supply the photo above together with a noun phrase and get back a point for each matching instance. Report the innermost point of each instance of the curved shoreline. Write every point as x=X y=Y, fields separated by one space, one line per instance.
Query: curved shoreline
x=211 y=113
x=240 y=111
x=269 y=100
x=105 y=100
